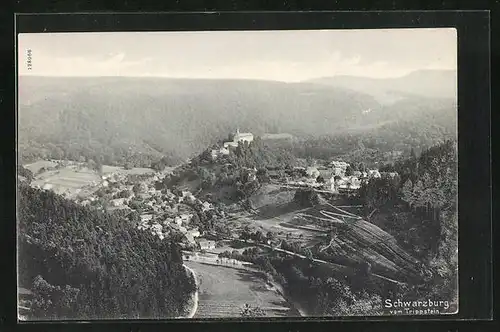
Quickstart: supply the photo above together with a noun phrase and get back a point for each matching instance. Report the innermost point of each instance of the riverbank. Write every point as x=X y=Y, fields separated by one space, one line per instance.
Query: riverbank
x=193 y=301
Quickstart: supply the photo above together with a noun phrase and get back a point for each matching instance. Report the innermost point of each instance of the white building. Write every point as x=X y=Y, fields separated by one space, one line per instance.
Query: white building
x=338 y=171
x=194 y=233
x=146 y=217
x=230 y=144
x=214 y=154
x=312 y=172
x=47 y=186
x=392 y=175
x=183 y=219
x=339 y=164
x=374 y=174
x=224 y=151
x=239 y=137
x=206 y=206
x=168 y=221
x=117 y=202
x=206 y=244
x=242 y=137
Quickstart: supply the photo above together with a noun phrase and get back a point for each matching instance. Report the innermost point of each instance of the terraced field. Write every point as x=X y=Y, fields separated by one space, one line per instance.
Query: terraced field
x=223 y=291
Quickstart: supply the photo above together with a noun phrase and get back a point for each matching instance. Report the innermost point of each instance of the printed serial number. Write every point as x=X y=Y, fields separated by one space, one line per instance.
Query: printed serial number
x=29 y=56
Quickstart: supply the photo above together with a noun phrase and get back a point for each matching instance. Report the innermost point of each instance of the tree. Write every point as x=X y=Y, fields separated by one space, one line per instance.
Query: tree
x=349 y=171
x=407 y=191
x=413 y=155
x=308 y=254
x=245 y=235
x=270 y=236
x=263 y=175
x=235 y=254
x=22 y=171
x=48 y=298
x=207 y=178
x=362 y=167
x=139 y=188
x=124 y=194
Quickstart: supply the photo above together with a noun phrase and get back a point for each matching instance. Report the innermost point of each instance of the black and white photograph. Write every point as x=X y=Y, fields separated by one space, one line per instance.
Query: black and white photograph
x=237 y=174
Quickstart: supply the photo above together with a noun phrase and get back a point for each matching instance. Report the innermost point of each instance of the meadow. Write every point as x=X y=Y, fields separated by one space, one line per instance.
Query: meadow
x=224 y=290
x=74 y=179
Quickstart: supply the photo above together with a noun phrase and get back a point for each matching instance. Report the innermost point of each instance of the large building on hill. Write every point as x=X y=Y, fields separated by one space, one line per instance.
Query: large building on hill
x=242 y=137
x=239 y=137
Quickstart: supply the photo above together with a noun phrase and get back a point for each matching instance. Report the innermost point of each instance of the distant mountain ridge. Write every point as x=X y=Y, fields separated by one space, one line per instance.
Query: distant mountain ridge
x=425 y=83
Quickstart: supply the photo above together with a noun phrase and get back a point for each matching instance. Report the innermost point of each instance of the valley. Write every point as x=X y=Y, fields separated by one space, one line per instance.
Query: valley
x=324 y=215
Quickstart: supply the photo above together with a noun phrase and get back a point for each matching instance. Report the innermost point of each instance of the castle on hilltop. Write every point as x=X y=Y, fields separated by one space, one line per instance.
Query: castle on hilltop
x=239 y=137
x=236 y=139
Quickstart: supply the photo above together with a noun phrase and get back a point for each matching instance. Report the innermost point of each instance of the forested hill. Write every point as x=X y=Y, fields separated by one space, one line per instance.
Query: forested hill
x=427 y=83
x=419 y=209
x=114 y=117
x=84 y=264
x=140 y=120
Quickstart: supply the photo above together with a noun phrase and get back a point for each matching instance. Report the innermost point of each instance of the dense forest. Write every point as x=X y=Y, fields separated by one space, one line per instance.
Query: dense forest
x=427 y=218
x=81 y=263
x=81 y=119
x=419 y=208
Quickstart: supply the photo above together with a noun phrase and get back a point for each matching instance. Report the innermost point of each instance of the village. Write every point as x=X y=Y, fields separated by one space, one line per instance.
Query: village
x=336 y=176
x=217 y=240
x=164 y=211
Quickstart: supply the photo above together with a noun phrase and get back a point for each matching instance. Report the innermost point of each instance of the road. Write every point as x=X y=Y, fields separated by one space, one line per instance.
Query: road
x=224 y=290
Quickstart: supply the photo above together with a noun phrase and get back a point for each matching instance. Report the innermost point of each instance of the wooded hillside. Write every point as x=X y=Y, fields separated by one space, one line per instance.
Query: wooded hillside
x=84 y=264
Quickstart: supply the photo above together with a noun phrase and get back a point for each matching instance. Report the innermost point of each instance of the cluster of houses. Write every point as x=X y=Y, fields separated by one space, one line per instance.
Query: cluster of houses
x=237 y=139
x=162 y=211
x=173 y=219
x=333 y=177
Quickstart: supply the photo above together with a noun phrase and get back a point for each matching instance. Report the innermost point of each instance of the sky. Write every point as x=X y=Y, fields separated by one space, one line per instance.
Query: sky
x=289 y=56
